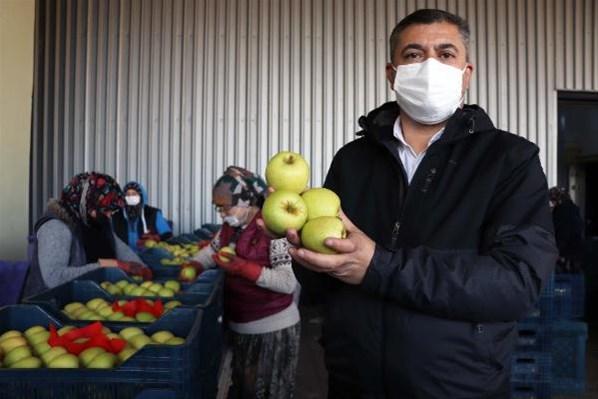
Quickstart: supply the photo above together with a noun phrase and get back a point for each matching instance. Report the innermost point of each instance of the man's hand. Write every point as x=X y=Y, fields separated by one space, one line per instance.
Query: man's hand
x=350 y=264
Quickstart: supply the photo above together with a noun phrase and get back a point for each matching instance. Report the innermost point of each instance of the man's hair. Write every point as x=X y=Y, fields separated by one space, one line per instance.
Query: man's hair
x=428 y=16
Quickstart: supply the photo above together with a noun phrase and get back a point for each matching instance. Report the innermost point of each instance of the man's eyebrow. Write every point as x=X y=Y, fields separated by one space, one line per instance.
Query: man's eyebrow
x=441 y=46
x=414 y=46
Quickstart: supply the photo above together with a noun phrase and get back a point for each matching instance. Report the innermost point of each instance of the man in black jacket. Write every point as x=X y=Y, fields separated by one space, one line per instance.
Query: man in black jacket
x=450 y=238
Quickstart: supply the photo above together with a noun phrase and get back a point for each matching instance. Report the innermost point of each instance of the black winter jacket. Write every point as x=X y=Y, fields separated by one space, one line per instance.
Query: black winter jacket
x=462 y=253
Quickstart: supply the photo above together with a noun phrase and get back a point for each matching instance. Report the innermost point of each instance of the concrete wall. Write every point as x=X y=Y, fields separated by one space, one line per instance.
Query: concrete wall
x=17 y=21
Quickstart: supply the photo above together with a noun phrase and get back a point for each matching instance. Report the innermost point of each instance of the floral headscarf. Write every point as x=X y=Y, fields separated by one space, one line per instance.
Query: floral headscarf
x=91 y=191
x=239 y=187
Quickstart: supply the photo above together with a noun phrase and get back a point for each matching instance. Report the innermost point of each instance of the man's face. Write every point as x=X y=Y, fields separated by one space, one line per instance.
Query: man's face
x=441 y=41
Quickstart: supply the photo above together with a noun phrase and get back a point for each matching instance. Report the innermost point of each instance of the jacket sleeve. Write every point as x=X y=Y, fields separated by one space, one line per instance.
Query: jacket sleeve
x=162 y=227
x=501 y=282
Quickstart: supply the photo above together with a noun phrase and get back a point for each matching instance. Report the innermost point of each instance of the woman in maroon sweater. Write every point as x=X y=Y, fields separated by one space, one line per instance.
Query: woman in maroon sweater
x=259 y=286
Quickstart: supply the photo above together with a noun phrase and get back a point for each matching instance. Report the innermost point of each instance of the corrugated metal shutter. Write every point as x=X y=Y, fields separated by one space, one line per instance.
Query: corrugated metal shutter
x=171 y=92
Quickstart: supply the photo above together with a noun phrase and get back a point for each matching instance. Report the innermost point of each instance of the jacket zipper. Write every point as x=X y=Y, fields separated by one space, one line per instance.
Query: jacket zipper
x=395 y=233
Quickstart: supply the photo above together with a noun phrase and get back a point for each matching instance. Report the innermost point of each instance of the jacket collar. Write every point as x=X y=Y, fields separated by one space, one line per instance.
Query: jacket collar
x=378 y=124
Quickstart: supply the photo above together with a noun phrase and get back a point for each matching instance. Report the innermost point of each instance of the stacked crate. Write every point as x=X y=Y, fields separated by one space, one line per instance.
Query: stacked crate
x=532 y=361
x=569 y=335
x=550 y=355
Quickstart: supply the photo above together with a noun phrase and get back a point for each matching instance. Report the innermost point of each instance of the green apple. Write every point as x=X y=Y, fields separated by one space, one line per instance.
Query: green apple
x=171 y=305
x=287 y=171
x=71 y=307
x=139 y=341
x=187 y=273
x=129 y=288
x=103 y=361
x=137 y=278
x=145 y=317
x=33 y=330
x=64 y=361
x=10 y=334
x=150 y=243
x=95 y=303
x=105 y=284
x=321 y=202
x=53 y=353
x=113 y=336
x=130 y=332
x=175 y=341
x=121 y=284
x=38 y=338
x=166 y=292
x=75 y=314
x=65 y=329
x=155 y=288
x=317 y=230
x=284 y=210
x=41 y=348
x=89 y=354
x=126 y=353
x=30 y=362
x=105 y=312
x=173 y=285
x=139 y=291
x=116 y=316
x=146 y=284
x=162 y=336
x=16 y=354
x=114 y=290
x=9 y=344
x=127 y=318
x=87 y=315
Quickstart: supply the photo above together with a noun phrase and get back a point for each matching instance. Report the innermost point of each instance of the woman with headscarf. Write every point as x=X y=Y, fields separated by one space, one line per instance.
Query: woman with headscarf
x=258 y=299
x=75 y=235
x=137 y=221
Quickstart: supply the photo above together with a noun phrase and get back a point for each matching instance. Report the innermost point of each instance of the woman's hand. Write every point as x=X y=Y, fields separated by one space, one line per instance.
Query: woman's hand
x=108 y=262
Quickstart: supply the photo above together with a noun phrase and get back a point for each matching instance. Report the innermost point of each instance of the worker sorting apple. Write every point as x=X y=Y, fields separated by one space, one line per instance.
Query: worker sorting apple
x=259 y=309
x=312 y=220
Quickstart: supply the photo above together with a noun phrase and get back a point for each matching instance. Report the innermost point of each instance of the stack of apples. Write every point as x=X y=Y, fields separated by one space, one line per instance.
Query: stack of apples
x=100 y=309
x=32 y=349
x=146 y=289
x=292 y=206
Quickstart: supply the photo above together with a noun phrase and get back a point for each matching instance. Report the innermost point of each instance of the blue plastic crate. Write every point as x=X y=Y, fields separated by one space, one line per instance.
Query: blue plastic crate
x=533 y=337
x=531 y=366
x=531 y=390
x=55 y=299
x=155 y=369
x=569 y=357
x=569 y=296
x=152 y=257
x=113 y=275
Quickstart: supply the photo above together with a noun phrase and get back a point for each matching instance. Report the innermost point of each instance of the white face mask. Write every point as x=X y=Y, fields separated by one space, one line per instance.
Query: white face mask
x=232 y=221
x=430 y=91
x=133 y=200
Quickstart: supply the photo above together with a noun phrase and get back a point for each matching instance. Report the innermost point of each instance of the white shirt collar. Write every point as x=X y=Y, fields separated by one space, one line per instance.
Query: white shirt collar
x=398 y=133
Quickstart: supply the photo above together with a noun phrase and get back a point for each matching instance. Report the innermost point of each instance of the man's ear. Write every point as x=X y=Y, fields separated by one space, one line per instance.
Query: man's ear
x=390 y=74
x=467 y=75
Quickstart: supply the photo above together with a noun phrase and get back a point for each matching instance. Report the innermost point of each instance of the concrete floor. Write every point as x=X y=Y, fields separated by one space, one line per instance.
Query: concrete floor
x=312 y=377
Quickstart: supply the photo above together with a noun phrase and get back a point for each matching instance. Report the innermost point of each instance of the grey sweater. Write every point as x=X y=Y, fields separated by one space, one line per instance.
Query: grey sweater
x=54 y=246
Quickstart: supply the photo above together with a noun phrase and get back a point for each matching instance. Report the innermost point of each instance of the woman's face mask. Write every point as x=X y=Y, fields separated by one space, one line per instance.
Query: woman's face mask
x=235 y=216
x=133 y=200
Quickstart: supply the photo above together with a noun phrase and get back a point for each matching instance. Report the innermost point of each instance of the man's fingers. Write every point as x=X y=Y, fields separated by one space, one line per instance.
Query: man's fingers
x=315 y=261
x=341 y=246
x=349 y=226
x=293 y=237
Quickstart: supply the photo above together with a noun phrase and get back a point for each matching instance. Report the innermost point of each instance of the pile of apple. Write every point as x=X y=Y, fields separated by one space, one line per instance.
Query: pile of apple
x=100 y=309
x=147 y=289
x=36 y=347
x=314 y=211
x=180 y=252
